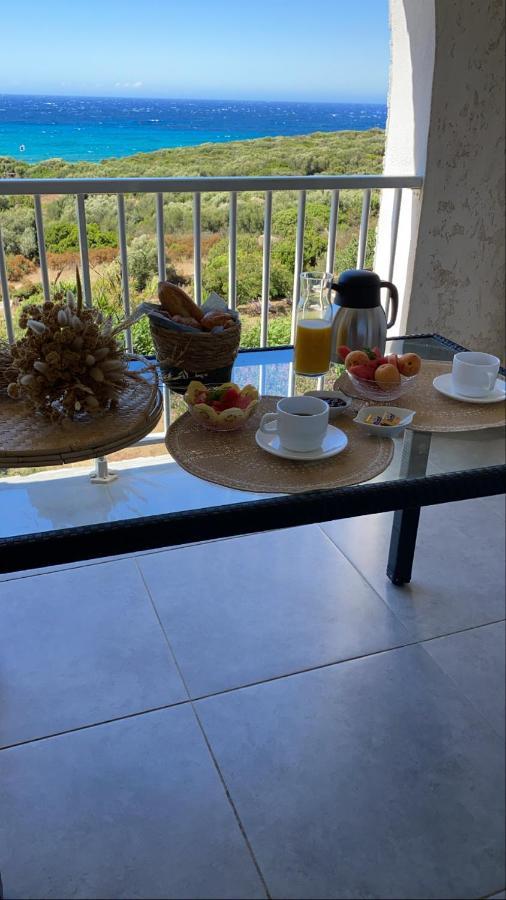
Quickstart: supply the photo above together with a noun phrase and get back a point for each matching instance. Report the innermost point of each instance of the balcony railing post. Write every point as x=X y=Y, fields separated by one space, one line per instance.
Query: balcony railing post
x=299 y=257
x=197 y=249
x=396 y=211
x=160 y=237
x=4 y=284
x=266 y=271
x=331 y=246
x=41 y=244
x=125 y=287
x=232 y=252
x=364 y=226
x=83 y=246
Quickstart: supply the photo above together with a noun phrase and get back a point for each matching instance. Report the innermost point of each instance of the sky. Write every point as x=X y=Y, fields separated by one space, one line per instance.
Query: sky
x=327 y=50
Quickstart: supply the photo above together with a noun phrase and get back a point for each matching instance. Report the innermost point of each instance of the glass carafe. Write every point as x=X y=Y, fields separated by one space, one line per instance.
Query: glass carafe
x=313 y=334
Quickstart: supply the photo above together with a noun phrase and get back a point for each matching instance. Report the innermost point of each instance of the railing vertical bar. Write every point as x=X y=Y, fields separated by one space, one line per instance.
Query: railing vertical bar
x=299 y=255
x=160 y=237
x=83 y=247
x=364 y=225
x=39 y=225
x=197 y=250
x=125 y=288
x=396 y=211
x=4 y=284
x=160 y=243
x=331 y=246
x=232 y=252
x=266 y=271
x=166 y=407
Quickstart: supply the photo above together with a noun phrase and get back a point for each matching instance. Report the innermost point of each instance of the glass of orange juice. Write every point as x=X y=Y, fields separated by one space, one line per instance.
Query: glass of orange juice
x=313 y=334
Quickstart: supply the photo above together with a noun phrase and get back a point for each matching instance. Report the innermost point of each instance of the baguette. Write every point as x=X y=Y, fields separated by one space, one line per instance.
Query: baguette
x=177 y=302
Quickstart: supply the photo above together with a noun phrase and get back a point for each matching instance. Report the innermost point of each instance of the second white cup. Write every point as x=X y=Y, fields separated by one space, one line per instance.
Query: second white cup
x=474 y=374
x=301 y=422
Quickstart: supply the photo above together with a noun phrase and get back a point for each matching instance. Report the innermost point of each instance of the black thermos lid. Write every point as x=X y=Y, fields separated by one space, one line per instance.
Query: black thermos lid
x=358 y=289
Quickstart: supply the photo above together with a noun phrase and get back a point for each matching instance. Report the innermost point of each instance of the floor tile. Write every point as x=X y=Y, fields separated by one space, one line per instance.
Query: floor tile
x=128 y=809
x=474 y=660
x=464 y=450
x=252 y=608
x=501 y=896
x=458 y=573
x=372 y=778
x=77 y=647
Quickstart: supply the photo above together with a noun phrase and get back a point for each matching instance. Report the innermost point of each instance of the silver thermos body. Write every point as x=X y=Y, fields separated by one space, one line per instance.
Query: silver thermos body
x=359 y=319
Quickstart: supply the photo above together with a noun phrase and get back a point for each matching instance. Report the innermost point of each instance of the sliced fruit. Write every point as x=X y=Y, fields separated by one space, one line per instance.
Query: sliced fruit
x=196 y=389
x=362 y=371
x=409 y=364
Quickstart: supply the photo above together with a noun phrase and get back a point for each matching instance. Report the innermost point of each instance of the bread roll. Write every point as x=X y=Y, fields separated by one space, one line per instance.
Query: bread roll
x=215 y=317
x=177 y=302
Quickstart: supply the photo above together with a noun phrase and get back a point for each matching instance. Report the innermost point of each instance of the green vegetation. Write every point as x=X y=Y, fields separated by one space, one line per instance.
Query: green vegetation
x=335 y=153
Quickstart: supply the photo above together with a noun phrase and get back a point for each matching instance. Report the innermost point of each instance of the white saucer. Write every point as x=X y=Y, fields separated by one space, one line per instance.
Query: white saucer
x=444 y=384
x=334 y=442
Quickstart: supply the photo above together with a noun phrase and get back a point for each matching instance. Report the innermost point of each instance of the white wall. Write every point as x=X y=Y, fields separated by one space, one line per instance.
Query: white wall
x=458 y=278
x=450 y=258
x=412 y=29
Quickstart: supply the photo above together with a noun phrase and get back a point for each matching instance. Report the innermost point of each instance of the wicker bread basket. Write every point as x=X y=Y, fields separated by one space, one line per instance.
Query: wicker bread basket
x=187 y=356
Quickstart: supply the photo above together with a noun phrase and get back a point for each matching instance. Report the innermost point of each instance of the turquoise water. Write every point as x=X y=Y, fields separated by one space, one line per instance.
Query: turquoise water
x=94 y=128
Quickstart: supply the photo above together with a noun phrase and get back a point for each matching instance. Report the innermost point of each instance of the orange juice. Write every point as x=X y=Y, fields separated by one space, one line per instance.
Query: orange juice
x=313 y=340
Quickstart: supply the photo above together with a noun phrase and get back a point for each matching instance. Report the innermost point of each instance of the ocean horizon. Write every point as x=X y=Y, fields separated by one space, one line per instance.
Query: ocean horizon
x=34 y=128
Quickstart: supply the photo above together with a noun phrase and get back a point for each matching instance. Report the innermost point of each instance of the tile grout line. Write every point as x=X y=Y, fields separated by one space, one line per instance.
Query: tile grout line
x=239 y=687
x=392 y=611
x=207 y=743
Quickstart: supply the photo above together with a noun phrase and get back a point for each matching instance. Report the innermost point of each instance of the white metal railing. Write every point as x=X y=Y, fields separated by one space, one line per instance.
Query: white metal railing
x=81 y=187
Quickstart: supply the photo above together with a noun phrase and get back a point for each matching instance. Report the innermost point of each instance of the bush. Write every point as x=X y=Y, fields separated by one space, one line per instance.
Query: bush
x=279 y=332
x=64 y=236
x=19 y=265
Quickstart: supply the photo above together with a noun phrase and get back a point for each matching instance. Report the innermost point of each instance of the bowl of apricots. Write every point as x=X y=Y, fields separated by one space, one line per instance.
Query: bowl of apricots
x=376 y=376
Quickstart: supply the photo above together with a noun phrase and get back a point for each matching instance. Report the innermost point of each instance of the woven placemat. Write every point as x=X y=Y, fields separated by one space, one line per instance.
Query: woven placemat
x=434 y=411
x=31 y=440
x=233 y=458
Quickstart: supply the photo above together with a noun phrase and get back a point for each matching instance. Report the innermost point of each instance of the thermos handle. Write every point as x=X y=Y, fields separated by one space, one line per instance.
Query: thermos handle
x=394 y=296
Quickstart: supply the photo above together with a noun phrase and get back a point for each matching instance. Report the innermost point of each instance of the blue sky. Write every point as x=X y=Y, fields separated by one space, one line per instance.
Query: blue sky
x=336 y=50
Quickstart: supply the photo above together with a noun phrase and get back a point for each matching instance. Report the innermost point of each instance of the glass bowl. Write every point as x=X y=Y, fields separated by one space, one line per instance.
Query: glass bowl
x=371 y=390
x=231 y=419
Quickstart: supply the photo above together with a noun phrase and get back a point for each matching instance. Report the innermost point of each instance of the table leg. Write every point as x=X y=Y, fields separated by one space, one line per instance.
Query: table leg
x=415 y=455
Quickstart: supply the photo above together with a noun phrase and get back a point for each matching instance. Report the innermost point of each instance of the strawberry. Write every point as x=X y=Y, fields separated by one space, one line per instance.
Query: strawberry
x=370 y=353
x=377 y=352
x=343 y=351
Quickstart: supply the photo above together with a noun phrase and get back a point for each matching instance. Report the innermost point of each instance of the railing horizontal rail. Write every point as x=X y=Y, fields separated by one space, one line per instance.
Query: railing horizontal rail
x=19 y=186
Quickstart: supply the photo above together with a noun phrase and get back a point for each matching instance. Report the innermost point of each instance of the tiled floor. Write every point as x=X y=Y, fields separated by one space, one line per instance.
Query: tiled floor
x=264 y=716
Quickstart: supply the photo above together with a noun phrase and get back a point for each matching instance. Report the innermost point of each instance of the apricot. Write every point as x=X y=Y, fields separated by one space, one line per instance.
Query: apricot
x=409 y=364
x=356 y=358
x=387 y=377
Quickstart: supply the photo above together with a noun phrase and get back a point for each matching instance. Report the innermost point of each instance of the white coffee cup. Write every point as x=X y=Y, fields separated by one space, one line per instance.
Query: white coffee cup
x=300 y=422
x=474 y=374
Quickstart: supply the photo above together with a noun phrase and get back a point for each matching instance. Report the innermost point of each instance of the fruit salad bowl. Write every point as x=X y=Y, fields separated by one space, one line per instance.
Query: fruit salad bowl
x=224 y=407
x=371 y=390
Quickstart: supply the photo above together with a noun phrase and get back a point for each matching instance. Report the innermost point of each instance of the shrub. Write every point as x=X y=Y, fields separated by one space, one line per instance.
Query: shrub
x=19 y=265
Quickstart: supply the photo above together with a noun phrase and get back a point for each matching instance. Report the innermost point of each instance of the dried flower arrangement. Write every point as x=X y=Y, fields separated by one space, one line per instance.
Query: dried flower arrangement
x=69 y=360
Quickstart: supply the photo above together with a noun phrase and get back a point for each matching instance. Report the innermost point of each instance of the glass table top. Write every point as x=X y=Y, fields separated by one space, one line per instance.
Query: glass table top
x=65 y=498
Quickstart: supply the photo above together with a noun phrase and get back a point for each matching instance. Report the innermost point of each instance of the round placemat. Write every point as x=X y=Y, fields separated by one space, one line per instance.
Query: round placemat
x=234 y=460
x=32 y=440
x=434 y=411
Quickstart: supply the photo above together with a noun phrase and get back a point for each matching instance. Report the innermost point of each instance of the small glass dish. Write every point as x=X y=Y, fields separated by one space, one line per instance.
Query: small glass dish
x=229 y=419
x=371 y=390
x=406 y=416
x=337 y=401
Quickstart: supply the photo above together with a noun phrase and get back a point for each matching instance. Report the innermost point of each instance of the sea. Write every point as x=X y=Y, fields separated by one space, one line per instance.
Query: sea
x=35 y=128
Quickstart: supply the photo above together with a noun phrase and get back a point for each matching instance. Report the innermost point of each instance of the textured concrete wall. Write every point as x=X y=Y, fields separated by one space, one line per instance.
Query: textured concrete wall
x=458 y=274
x=412 y=31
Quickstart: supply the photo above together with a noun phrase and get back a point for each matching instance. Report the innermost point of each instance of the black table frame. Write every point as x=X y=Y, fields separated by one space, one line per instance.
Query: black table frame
x=404 y=497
